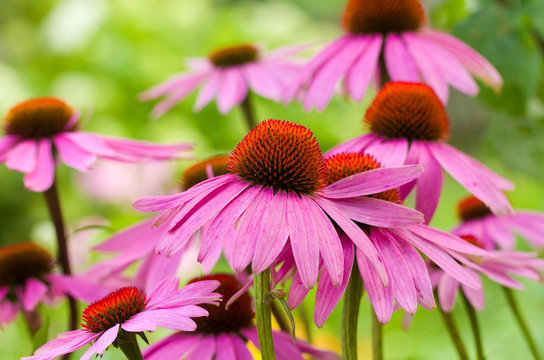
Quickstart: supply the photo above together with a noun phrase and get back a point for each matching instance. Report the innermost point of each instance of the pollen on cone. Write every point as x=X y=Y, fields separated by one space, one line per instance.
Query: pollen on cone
x=234 y=55
x=23 y=261
x=199 y=172
x=471 y=208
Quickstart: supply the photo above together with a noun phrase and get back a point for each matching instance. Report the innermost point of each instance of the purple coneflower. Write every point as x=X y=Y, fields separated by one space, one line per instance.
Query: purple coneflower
x=228 y=74
x=409 y=125
x=225 y=332
x=39 y=128
x=397 y=246
x=388 y=39
x=276 y=191
x=492 y=231
x=119 y=316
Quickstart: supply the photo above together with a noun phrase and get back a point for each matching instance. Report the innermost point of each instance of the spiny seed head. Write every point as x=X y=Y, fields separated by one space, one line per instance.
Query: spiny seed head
x=471 y=208
x=281 y=155
x=343 y=165
x=238 y=316
x=115 y=308
x=234 y=55
x=383 y=16
x=199 y=171
x=471 y=240
x=23 y=261
x=408 y=111
x=39 y=118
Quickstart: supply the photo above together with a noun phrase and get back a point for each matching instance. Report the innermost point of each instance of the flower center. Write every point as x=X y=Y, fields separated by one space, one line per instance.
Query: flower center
x=408 y=111
x=23 y=261
x=471 y=240
x=239 y=314
x=280 y=155
x=115 y=308
x=234 y=55
x=38 y=118
x=383 y=16
x=472 y=208
x=343 y=165
x=199 y=171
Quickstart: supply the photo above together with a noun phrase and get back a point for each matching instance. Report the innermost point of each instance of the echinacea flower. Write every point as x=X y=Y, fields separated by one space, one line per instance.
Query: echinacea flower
x=389 y=38
x=409 y=125
x=27 y=278
x=227 y=75
x=498 y=267
x=276 y=192
x=494 y=231
x=133 y=311
x=138 y=242
x=225 y=332
x=39 y=129
x=398 y=246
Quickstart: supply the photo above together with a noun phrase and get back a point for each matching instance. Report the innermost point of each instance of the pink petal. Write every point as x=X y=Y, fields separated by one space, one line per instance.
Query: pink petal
x=430 y=73
x=297 y=291
x=447 y=292
x=23 y=156
x=399 y=62
x=389 y=152
x=373 y=181
x=204 y=351
x=72 y=155
x=499 y=232
x=133 y=150
x=263 y=82
x=42 y=177
x=34 y=291
x=209 y=90
x=359 y=76
x=324 y=81
x=172 y=347
x=6 y=143
x=475 y=297
x=273 y=233
x=476 y=182
x=150 y=320
x=64 y=343
x=105 y=340
x=429 y=185
x=378 y=212
x=302 y=232
x=233 y=90
x=179 y=83
x=225 y=347
x=248 y=230
x=447 y=240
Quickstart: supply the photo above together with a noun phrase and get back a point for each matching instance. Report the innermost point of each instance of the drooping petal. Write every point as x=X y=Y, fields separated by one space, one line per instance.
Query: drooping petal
x=233 y=90
x=64 y=343
x=357 y=145
x=297 y=291
x=209 y=90
x=373 y=181
x=42 y=176
x=359 y=76
x=225 y=347
x=447 y=240
x=172 y=347
x=133 y=150
x=429 y=185
x=399 y=62
x=475 y=297
x=178 y=83
x=390 y=152
x=105 y=340
x=34 y=291
x=204 y=351
x=72 y=155
x=23 y=156
x=263 y=82
x=150 y=320
x=447 y=292
x=6 y=143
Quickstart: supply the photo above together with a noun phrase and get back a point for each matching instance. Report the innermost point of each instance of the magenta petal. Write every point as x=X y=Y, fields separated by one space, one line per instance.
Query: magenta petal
x=6 y=143
x=233 y=90
x=373 y=181
x=499 y=232
x=225 y=347
x=380 y=297
x=248 y=230
x=177 y=84
x=42 y=177
x=297 y=292
x=64 y=343
x=105 y=340
x=133 y=150
x=34 y=291
x=447 y=240
x=475 y=297
x=172 y=347
x=357 y=236
x=399 y=62
x=357 y=145
x=23 y=157
x=150 y=320
x=273 y=233
x=429 y=185
x=330 y=247
x=390 y=152
x=359 y=76
x=328 y=295
x=263 y=82
x=447 y=292
x=204 y=351
x=303 y=233
x=377 y=212
x=474 y=180
x=209 y=90
x=72 y=155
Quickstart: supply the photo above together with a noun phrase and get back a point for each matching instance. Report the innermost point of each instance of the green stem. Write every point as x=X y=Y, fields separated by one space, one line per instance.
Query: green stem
x=454 y=334
x=249 y=115
x=521 y=322
x=263 y=314
x=128 y=344
x=53 y=205
x=473 y=318
x=350 y=314
x=33 y=321
x=306 y=322
x=278 y=315
x=377 y=336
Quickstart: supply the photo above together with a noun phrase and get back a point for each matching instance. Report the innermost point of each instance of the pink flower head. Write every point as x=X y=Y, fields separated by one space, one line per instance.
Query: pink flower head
x=227 y=75
x=499 y=267
x=39 y=128
x=138 y=242
x=27 y=278
x=398 y=245
x=411 y=52
x=276 y=192
x=224 y=333
x=409 y=125
x=494 y=231
x=131 y=310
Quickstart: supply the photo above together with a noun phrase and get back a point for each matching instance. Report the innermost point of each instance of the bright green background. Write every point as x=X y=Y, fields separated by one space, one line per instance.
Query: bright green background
x=101 y=54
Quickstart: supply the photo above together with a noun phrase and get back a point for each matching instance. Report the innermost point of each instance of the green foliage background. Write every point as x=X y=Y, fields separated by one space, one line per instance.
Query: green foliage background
x=101 y=54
